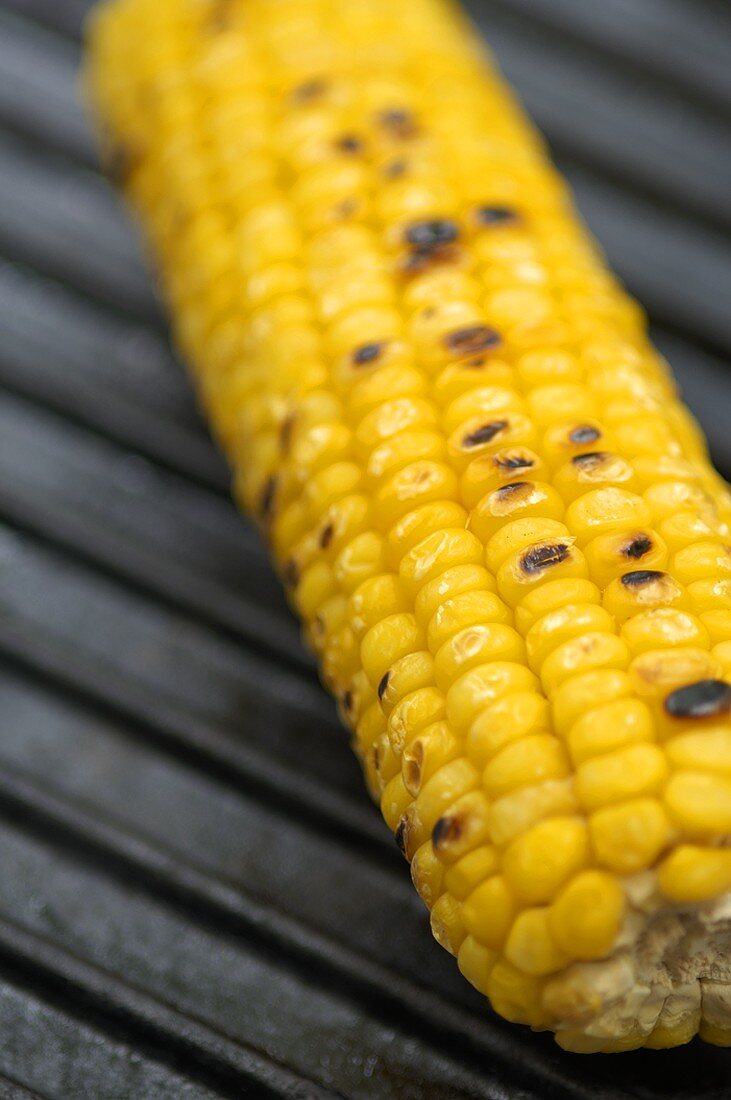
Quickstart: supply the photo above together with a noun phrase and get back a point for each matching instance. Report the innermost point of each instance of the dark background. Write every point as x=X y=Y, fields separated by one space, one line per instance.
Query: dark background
x=196 y=898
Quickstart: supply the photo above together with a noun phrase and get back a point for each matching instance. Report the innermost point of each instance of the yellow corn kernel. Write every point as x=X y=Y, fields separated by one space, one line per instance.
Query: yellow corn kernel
x=562 y=625
x=484 y=685
x=531 y=946
x=661 y=627
x=414 y=713
x=464 y=876
x=515 y=995
x=453 y=582
x=693 y=874
x=613 y=554
x=539 y=862
x=386 y=641
x=525 y=762
x=699 y=803
x=447 y=925
x=516 y=500
x=488 y=912
x=642 y=590
x=552 y=596
x=522 y=534
x=598 y=649
x=586 y=917
x=406 y=675
x=475 y=962
x=629 y=836
x=463 y=611
x=586 y=691
x=606 y=728
x=516 y=812
x=464 y=825
x=427 y=874
x=492 y=471
x=591 y=471
x=476 y=645
x=427 y=752
x=626 y=773
x=504 y=721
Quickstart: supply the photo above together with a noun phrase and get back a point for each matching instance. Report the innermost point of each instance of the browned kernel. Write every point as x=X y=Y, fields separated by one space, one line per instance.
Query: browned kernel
x=446 y=830
x=348 y=700
x=349 y=143
x=703 y=699
x=542 y=557
x=637 y=547
x=399 y=122
x=469 y=341
x=513 y=489
x=383 y=684
x=326 y=535
x=515 y=461
x=433 y=233
x=484 y=434
x=309 y=90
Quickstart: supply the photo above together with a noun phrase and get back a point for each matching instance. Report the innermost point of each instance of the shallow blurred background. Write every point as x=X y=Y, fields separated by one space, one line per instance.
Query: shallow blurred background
x=197 y=899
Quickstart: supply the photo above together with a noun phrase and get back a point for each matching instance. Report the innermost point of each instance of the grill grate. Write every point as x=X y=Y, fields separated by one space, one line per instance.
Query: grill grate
x=197 y=899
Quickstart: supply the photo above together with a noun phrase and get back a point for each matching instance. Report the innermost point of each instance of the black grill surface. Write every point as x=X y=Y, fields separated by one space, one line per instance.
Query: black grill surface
x=196 y=898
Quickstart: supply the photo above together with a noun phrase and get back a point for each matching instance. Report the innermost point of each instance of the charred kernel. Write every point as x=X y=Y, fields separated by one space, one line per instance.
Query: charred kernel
x=432 y=234
x=637 y=547
x=497 y=215
x=703 y=699
x=484 y=434
x=399 y=122
x=348 y=701
x=422 y=259
x=349 y=143
x=471 y=340
x=584 y=433
x=539 y=558
x=326 y=535
x=266 y=500
x=367 y=353
x=513 y=461
x=513 y=488
x=446 y=831
x=639 y=577
x=383 y=685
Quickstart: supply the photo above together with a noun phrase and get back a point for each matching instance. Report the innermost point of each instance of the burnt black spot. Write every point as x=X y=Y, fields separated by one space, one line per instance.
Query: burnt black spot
x=585 y=433
x=309 y=90
x=291 y=573
x=432 y=233
x=383 y=684
x=399 y=122
x=348 y=701
x=422 y=259
x=326 y=536
x=471 y=340
x=513 y=462
x=538 y=558
x=366 y=353
x=591 y=460
x=639 y=577
x=400 y=835
x=484 y=434
x=266 y=500
x=349 y=143
x=497 y=215
x=446 y=830
x=512 y=488
x=703 y=699
x=637 y=547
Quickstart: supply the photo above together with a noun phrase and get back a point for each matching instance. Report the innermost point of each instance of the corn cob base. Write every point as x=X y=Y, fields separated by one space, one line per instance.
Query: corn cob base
x=493 y=514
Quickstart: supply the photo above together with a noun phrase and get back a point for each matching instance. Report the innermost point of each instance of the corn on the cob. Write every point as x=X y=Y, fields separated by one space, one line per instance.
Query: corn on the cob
x=492 y=512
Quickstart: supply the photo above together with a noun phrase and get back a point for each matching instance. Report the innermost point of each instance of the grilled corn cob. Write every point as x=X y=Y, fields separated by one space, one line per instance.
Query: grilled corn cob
x=495 y=518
